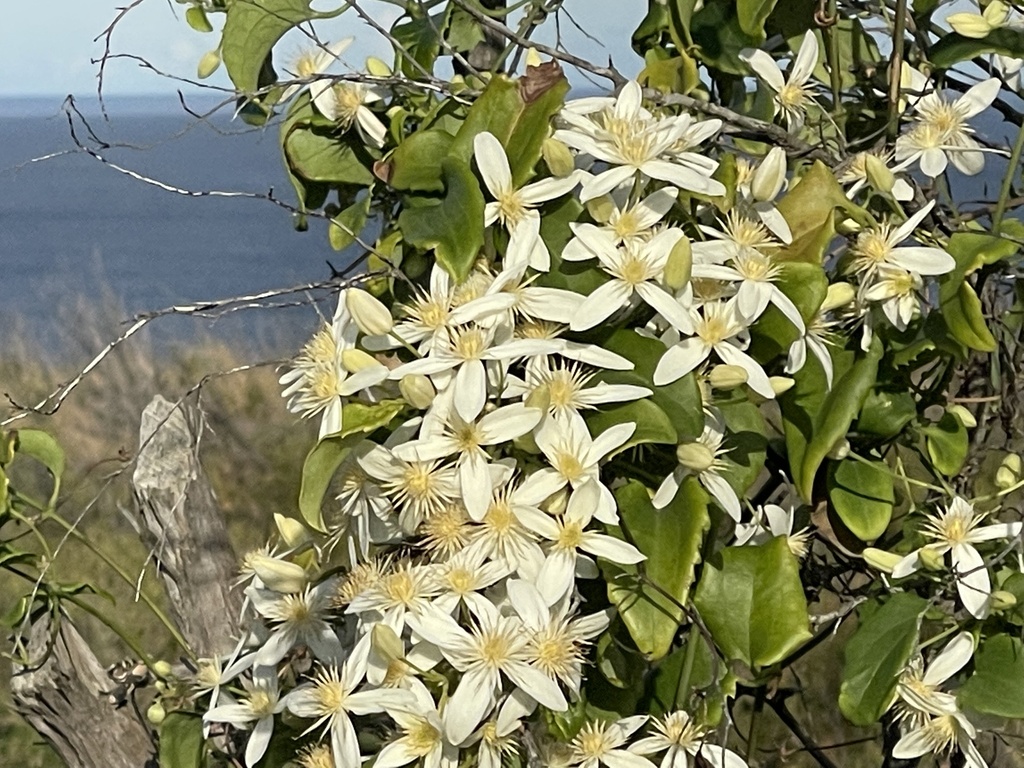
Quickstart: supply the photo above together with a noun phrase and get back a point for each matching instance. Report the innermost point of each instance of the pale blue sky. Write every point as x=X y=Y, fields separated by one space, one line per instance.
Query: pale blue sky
x=46 y=46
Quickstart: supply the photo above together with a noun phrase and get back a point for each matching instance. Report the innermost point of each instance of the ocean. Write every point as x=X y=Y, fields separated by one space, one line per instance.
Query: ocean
x=73 y=230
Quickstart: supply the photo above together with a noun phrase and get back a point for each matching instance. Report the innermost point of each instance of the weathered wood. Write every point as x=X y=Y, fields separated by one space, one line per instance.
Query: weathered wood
x=65 y=699
x=187 y=531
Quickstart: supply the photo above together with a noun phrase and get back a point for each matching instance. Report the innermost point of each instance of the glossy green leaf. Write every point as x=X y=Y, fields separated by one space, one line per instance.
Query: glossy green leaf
x=997 y=685
x=671 y=539
x=966 y=323
x=680 y=400
x=181 y=740
x=810 y=209
x=196 y=18
x=347 y=225
x=885 y=414
x=318 y=154
x=364 y=418
x=251 y=30
x=420 y=41
x=415 y=165
x=454 y=228
x=652 y=424
x=42 y=447
x=947 y=444
x=464 y=32
x=746 y=441
x=716 y=29
x=814 y=417
x=752 y=14
x=579 y=276
x=806 y=286
x=753 y=603
x=862 y=495
x=953 y=48
x=876 y=654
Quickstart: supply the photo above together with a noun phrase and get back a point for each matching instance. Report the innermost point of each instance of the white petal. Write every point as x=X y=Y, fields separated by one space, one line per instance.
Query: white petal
x=973 y=583
x=668 y=489
x=722 y=492
x=979 y=97
x=605 y=182
x=547 y=189
x=344 y=742
x=493 y=163
x=680 y=359
x=469 y=704
x=764 y=66
x=605 y=300
x=611 y=549
x=537 y=684
x=667 y=306
x=757 y=379
x=806 y=59
x=951 y=659
x=470 y=389
x=259 y=739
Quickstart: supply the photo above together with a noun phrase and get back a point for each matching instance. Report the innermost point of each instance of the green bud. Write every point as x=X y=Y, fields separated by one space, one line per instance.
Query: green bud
x=838 y=295
x=377 y=67
x=601 y=208
x=963 y=415
x=880 y=559
x=696 y=457
x=355 y=360
x=417 y=390
x=840 y=449
x=161 y=668
x=1001 y=600
x=540 y=398
x=292 y=532
x=1006 y=478
x=770 y=176
x=372 y=317
x=279 y=575
x=386 y=643
x=932 y=560
x=156 y=713
x=781 y=384
x=879 y=176
x=197 y=19
x=558 y=158
x=727 y=377
x=679 y=264
x=208 y=64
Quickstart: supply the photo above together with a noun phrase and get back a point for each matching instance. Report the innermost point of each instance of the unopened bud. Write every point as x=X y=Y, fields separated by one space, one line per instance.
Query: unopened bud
x=377 y=67
x=848 y=227
x=932 y=559
x=292 y=532
x=972 y=25
x=770 y=176
x=386 y=643
x=156 y=713
x=1001 y=600
x=838 y=295
x=781 y=384
x=880 y=559
x=161 y=668
x=840 y=449
x=208 y=64
x=372 y=317
x=558 y=157
x=996 y=13
x=696 y=457
x=727 y=377
x=279 y=575
x=879 y=175
x=557 y=503
x=601 y=208
x=963 y=415
x=1009 y=472
x=417 y=390
x=354 y=360
x=679 y=265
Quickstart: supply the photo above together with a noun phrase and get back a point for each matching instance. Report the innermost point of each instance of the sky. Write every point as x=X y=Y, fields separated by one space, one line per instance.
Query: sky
x=52 y=56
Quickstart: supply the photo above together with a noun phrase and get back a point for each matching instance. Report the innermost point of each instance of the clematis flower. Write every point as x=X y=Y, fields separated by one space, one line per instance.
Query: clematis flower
x=769 y=522
x=564 y=386
x=602 y=743
x=792 y=94
x=313 y=62
x=681 y=740
x=701 y=459
x=422 y=735
x=623 y=224
x=956 y=530
x=758 y=187
x=261 y=702
x=878 y=247
x=345 y=104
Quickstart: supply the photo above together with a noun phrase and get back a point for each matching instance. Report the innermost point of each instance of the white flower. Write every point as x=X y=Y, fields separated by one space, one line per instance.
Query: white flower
x=940 y=132
x=422 y=735
x=623 y=224
x=406 y=589
x=297 y=619
x=877 y=247
x=313 y=62
x=955 y=530
x=345 y=103
x=502 y=534
x=574 y=457
x=771 y=521
x=417 y=489
x=496 y=646
x=463 y=576
x=760 y=185
x=602 y=743
x=700 y=458
x=719 y=327
x=635 y=269
x=900 y=294
x=564 y=387
x=568 y=536
x=262 y=701
x=817 y=338
x=514 y=207
x=681 y=739
x=792 y=94
x=625 y=135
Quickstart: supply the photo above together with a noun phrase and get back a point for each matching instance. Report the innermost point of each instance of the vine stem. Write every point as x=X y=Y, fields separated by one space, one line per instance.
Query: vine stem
x=683 y=689
x=896 y=67
x=755 y=719
x=135 y=647
x=1004 y=190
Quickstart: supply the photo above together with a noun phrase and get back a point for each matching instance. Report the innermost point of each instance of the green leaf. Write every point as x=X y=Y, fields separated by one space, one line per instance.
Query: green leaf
x=181 y=740
x=454 y=228
x=319 y=155
x=809 y=209
x=965 y=320
x=752 y=14
x=361 y=418
x=652 y=424
x=415 y=165
x=421 y=41
x=671 y=539
x=464 y=31
x=251 y=30
x=885 y=414
x=805 y=285
x=862 y=495
x=42 y=447
x=954 y=48
x=997 y=685
x=196 y=18
x=947 y=444
x=753 y=603
x=680 y=400
x=876 y=654
x=578 y=276
x=346 y=226
x=814 y=417
x=745 y=440
x=718 y=32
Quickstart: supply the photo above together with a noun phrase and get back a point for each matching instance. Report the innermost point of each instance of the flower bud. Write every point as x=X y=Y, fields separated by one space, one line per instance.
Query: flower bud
x=679 y=264
x=372 y=317
x=1001 y=600
x=557 y=502
x=838 y=295
x=540 y=398
x=969 y=24
x=279 y=575
x=932 y=559
x=161 y=668
x=996 y=13
x=696 y=457
x=781 y=384
x=601 y=208
x=848 y=227
x=292 y=532
x=770 y=176
x=377 y=67
x=1005 y=478
x=354 y=360
x=558 y=158
x=417 y=390
x=208 y=64
x=879 y=175
x=386 y=643
x=963 y=415
x=840 y=449
x=726 y=377
x=156 y=713
x=880 y=559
